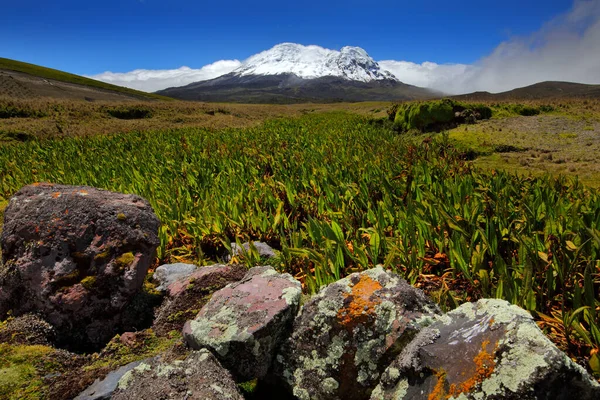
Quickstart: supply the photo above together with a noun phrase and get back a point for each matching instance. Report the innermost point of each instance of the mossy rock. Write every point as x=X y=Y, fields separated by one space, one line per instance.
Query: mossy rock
x=433 y=115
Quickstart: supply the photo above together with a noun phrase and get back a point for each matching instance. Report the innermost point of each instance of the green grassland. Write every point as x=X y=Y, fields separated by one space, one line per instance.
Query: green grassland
x=336 y=193
x=50 y=73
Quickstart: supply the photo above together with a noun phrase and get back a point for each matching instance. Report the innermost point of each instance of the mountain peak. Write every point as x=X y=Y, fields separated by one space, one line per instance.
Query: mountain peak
x=309 y=62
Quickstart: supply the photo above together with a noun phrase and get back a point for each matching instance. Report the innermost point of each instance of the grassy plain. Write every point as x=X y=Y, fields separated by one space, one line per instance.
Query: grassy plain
x=335 y=190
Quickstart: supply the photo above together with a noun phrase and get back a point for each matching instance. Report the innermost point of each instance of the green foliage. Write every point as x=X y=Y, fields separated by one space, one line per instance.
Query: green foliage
x=133 y=112
x=432 y=115
x=424 y=115
x=337 y=194
x=50 y=73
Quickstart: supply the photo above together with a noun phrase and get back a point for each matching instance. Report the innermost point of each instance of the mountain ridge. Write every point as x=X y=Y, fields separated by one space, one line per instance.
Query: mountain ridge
x=292 y=73
x=538 y=91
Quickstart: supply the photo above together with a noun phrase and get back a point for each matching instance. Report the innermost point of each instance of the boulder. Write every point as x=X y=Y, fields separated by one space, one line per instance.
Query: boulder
x=345 y=336
x=244 y=323
x=484 y=350
x=198 y=377
x=186 y=297
x=104 y=389
x=76 y=255
x=264 y=250
x=169 y=273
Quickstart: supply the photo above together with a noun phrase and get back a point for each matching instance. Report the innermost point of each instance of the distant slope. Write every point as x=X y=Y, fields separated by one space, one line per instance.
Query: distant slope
x=26 y=80
x=289 y=88
x=539 y=91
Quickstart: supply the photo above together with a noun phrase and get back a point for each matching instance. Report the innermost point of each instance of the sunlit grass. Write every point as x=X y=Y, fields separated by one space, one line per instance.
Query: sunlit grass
x=336 y=193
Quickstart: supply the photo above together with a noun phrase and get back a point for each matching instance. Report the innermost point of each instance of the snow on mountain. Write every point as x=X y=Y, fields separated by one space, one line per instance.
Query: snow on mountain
x=309 y=62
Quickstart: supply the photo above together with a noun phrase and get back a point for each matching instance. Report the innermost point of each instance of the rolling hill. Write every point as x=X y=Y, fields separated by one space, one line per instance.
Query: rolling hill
x=538 y=91
x=24 y=80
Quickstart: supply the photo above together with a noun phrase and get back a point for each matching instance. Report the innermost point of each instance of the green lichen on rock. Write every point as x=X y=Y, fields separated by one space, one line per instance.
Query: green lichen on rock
x=124 y=260
x=88 y=282
x=116 y=354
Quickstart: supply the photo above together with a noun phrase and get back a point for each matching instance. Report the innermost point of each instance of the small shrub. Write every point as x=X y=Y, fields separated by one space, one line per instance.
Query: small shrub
x=135 y=112
x=16 y=137
x=507 y=148
x=10 y=110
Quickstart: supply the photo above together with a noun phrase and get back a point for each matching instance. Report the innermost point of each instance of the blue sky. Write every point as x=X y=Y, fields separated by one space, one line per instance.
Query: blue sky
x=89 y=37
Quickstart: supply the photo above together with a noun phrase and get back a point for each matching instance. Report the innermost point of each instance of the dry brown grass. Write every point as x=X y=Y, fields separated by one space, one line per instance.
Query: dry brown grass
x=69 y=117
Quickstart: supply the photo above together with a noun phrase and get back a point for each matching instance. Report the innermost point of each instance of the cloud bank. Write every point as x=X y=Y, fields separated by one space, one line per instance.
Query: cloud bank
x=152 y=80
x=566 y=48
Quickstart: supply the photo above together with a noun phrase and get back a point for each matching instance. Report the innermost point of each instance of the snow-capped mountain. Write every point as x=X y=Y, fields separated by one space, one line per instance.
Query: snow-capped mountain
x=292 y=73
x=310 y=62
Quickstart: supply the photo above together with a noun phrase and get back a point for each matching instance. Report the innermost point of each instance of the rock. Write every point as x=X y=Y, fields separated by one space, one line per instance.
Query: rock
x=264 y=250
x=76 y=255
x=244 y=323
x=169 y=273
x=198 y=377
x=188 y=295
x=28 y=329
x=484 y=350
x=345 y=336
x=103 y=389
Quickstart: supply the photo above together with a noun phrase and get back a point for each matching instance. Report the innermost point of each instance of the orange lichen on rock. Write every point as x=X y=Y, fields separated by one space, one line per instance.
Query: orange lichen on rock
x=359 y=306
x=439 y=390
x=484 y=367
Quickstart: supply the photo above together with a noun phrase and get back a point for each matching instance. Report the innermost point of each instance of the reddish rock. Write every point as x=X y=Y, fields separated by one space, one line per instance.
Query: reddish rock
x=187 y=296
x=244 y=323
x=345 y=336
x=76 y=255
x=484 y=350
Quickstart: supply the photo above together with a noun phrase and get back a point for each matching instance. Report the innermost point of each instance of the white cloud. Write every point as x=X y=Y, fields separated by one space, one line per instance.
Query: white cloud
x=565 y=49
x=429 y=74
x=153 y=80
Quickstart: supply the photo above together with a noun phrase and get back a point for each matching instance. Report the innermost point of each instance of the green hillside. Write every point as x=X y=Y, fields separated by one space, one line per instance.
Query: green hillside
x=55 y=74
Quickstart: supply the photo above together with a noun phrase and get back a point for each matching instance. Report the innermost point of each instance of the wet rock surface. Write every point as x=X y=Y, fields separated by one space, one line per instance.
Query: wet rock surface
x=103 y=389
x=187 y=296
x=244 y=323
x=199 y=377
x=169 y=273
x=346 y=335
x=484 y=350
x=76 y=255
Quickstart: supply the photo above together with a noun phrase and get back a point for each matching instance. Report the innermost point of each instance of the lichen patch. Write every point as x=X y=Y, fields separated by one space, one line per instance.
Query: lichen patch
x=359 y=306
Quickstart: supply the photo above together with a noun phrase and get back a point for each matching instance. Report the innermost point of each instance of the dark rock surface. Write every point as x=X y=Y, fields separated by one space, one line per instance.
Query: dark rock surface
x=169 y=273
x=198 y=377
x=76 y=255
x=244 y=323
x=187 y=296
x=484 y=350
x=347 y=334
